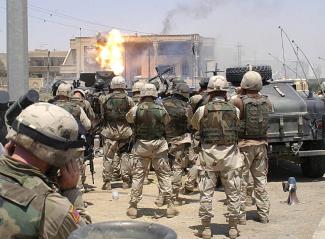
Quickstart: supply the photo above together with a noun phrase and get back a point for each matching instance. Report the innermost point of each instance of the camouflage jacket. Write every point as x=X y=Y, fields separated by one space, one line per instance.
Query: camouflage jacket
x=85 y=105
x=114 y=107
x=29 y=207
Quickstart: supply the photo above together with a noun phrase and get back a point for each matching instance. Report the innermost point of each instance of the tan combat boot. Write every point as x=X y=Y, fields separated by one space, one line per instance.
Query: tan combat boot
x=107 y=186
x=205 y=230
x=233 y=230
x=171 y=211
x=132 y=211
x=242 y=220
x=178 y=201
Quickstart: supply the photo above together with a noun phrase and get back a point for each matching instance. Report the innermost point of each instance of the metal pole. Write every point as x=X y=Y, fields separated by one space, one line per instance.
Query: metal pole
x=17 y=48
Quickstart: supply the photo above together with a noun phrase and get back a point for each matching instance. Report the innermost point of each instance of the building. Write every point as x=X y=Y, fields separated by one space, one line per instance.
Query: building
x=188 y=56
x=44 y=67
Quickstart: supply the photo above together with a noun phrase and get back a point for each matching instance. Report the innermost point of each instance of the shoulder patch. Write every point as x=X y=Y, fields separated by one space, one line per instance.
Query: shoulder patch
x=74 y=214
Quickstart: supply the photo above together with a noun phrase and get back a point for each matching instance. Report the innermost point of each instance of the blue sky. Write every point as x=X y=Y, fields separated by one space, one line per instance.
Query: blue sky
x=252 y=23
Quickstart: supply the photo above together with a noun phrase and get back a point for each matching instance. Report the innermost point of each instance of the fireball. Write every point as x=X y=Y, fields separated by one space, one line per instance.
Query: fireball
x=110 y=51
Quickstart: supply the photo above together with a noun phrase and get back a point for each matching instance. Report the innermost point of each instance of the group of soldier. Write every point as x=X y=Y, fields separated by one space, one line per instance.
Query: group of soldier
x=213 y=134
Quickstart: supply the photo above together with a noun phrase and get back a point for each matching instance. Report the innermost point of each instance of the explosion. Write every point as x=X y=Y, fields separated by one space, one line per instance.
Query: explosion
x=110 y=51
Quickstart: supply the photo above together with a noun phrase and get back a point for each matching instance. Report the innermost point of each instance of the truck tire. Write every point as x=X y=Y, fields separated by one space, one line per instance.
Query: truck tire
x=313 y=167
x=235 y=74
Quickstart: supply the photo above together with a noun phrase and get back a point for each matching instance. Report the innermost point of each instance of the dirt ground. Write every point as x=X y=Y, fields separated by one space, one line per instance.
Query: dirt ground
x=297 y=221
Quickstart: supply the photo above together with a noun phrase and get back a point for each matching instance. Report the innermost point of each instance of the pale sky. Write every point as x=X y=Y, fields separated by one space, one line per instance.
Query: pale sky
x=252 y=23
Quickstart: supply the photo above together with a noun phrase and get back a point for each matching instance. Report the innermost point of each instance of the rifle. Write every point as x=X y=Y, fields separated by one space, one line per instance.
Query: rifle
x=162 y=79
x=216 y=70
x=90 y=150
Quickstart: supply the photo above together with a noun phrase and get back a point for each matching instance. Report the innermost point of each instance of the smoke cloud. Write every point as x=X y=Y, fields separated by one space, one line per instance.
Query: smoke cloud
x=199 y=9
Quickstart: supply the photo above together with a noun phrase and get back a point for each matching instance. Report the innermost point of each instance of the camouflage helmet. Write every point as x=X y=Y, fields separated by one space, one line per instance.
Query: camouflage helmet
x=49 y=132
x=182 y=89
x=64 y=89
x=149 y=90
x=55 y=86
x=82 y=92
x=217 y=83
x=137 y=86
x=252 y=80
x=118 y=82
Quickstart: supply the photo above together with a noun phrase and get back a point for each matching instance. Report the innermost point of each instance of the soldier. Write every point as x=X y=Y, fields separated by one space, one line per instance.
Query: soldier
x=178 y=134
x=136 y=89
x=63 y=100
x=116 y=133
x=79 y=97
x=217 y=123
x=195 y=101
x=43 y=139
x=150 y=120
x=254 y=109
x=63 y=93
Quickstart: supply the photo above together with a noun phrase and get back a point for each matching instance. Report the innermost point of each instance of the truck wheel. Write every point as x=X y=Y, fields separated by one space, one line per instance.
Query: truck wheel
x=313 y=167
x=235 y=74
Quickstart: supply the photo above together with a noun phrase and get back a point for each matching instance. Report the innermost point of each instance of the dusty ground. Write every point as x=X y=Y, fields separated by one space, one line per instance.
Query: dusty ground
x=298 y=221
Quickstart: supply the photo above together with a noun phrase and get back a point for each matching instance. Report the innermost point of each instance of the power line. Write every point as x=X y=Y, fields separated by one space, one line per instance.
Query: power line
x=45 y=20
x=66 y=16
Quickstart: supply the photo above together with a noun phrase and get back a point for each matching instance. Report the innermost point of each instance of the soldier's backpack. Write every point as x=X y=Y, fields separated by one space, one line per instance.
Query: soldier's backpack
x=256 y=116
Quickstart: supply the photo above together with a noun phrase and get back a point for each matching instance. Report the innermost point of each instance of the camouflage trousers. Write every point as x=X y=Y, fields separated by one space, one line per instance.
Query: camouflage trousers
x=154 y=151
x=232 y=185
x=255 y=162
x=192 y=178
x=193 y=174
x=116 y=162
x=179 y=162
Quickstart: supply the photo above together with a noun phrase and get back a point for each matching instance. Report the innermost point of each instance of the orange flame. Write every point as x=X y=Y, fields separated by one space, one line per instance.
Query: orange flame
x=110 y=52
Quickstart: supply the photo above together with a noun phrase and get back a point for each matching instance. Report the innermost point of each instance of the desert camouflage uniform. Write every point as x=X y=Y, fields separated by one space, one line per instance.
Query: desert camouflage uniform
x=75 y=108
x=150 y=146
x=254 y=152
x=53 y=215
x=178 y=138
x=192 y=176
x=77 y=112
x=218 y=155
x=117 y=135
x=85 y=105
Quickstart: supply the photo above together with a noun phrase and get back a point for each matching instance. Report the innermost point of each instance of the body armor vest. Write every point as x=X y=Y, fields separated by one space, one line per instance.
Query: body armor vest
x=149 y=121
x=116 y=107
x=219 y=124
x=176 y=109
x=256 y=115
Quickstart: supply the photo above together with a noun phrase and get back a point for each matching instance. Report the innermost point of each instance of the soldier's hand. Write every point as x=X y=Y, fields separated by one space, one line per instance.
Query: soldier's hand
x=69 y=175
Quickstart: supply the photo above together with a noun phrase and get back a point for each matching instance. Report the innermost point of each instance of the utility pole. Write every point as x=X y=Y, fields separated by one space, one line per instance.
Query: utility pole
x=17 y=48
x=239 y=53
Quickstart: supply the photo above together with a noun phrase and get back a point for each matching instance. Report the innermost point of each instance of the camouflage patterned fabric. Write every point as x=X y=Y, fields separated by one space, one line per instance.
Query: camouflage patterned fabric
x=29 y=207
x=255 y=123
x=116 y=106
x=149 y=121
x=177 y=110
x=219 y=124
